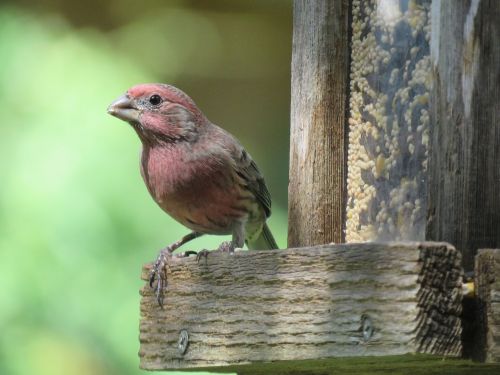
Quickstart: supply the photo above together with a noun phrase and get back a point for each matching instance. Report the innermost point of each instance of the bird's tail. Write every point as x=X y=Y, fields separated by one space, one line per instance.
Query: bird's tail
x=265 y=241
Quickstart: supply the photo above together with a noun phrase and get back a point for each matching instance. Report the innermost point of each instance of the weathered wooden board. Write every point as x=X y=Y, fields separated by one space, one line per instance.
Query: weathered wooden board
x=487 y=274
x=306 y=303
x=464 y=172
x=320 y=86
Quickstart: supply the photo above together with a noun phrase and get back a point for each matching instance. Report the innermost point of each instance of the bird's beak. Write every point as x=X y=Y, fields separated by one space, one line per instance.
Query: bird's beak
x=125 y=109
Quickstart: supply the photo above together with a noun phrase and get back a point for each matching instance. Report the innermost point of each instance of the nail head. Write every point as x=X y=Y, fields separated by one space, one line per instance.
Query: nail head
x=366 y=327
x=183 y=342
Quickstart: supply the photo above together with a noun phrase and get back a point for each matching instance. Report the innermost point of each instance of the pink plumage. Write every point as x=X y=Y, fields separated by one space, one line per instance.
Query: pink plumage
x=195 y=171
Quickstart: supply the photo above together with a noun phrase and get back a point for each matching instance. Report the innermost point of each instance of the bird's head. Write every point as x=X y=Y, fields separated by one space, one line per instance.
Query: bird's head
x=159 y=113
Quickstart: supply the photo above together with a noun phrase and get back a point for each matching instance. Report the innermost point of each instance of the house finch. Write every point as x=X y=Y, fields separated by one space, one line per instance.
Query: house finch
x=195 y=171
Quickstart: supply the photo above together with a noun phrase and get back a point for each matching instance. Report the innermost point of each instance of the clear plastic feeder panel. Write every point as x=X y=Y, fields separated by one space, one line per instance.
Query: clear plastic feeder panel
x=389 y=120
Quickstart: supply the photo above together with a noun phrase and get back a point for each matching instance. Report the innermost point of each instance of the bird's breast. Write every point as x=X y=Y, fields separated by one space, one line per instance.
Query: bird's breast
x=203 y=195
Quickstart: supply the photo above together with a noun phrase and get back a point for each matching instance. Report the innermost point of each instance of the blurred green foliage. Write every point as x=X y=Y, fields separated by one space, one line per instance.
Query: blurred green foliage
x=76 y=222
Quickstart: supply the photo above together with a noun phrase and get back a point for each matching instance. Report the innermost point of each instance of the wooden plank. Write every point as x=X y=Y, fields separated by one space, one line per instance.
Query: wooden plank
x=487 y=275
x=306 y=303
x=464 y=204
x=320 y=73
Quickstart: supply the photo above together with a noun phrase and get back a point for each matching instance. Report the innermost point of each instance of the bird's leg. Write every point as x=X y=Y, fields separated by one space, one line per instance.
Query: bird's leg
x=238 y=235
x=159 y=272
x=228 y=246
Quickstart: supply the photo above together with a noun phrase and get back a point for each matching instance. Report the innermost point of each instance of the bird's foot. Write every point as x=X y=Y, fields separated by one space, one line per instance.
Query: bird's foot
x=159 y=273
x=202 y=253
x=225 y=247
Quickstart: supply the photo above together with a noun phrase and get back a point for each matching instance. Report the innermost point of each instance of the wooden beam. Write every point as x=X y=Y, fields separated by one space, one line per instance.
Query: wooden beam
x=308 y=303
x=320 y=74
x=464 y=199
x=487 y=275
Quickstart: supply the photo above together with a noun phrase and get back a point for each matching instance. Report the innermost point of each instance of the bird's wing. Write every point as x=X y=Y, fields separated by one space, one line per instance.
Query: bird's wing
x=251 y=177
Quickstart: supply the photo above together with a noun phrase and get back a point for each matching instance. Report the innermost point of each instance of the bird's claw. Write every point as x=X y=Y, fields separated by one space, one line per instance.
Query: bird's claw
x=159 y=273
x=202 y=253
x=226 y=247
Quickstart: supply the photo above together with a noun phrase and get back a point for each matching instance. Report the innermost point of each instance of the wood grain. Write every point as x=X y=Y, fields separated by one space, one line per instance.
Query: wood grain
x=320 y=74
x=464 y=180
x=305 y=303
x=487 y=274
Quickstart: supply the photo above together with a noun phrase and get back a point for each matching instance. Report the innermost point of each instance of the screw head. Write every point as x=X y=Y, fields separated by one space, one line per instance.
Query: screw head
x=366 y=327
x=183 y=342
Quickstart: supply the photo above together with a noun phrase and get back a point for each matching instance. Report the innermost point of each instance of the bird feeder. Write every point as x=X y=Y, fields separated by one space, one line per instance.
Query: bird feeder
x=395 y=141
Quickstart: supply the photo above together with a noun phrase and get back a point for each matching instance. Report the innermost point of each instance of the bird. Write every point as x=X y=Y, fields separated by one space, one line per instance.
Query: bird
x=197 y=172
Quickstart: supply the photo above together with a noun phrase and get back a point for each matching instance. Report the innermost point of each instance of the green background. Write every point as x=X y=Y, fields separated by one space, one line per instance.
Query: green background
x=76 y=222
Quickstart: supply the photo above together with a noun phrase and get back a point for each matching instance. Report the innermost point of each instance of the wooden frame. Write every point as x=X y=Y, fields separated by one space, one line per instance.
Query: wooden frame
x=308 y=303
x=357 y=299
x=320 y=86
x=487 y=319
x=464 y=180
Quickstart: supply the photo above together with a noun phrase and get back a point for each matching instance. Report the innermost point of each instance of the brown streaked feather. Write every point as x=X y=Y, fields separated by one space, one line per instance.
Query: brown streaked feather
x=252 y=179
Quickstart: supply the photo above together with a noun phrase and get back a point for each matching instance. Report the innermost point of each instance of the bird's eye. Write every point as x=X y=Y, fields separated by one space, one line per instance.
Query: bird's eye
x=155 y=99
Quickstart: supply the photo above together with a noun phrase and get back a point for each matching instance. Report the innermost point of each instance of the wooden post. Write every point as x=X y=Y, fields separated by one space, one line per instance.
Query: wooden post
x=320 y=73
x=487 y=340
x=464 y=181
x=307 y=303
